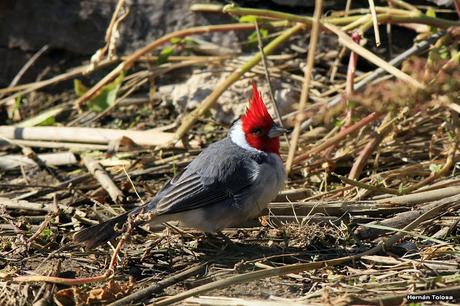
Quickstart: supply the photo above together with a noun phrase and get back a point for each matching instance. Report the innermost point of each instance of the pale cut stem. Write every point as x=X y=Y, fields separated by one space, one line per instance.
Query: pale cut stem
x=306 y=85
x=375 y=22
x=267 y=77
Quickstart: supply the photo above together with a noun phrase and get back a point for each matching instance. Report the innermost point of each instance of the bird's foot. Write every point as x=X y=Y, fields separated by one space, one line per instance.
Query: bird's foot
x=218 y=240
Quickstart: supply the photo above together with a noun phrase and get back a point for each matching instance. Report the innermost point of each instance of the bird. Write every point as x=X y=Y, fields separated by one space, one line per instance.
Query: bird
x=230 y=181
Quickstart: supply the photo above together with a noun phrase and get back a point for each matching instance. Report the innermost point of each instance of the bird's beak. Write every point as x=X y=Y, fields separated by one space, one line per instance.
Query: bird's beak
x=276 y=131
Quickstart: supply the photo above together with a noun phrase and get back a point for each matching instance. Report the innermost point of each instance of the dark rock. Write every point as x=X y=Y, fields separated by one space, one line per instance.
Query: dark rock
x=77 y=28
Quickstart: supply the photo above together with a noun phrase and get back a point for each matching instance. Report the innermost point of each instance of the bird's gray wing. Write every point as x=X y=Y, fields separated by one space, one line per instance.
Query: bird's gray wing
x=191 y=193
x=221 y=173
x=201 y=186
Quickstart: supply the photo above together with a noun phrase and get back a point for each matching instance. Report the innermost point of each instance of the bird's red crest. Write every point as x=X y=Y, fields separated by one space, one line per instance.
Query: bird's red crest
x=256 y=123
x=257 y=113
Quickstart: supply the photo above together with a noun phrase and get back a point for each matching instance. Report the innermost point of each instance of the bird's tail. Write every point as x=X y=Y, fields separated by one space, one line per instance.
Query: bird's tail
x=97 y=234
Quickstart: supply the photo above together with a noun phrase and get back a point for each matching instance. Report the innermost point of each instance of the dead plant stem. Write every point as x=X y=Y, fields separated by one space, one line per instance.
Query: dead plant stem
x=268 y=79
x=306 y=85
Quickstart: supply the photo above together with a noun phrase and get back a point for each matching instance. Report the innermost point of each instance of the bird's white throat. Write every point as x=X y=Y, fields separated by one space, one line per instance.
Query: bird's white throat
x=237 y=136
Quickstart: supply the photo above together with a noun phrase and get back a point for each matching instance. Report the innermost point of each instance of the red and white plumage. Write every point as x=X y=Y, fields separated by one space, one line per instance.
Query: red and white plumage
x=230 y=181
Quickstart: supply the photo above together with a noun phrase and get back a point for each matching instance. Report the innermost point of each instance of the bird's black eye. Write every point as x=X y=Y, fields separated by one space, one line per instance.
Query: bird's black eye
x=256 y=131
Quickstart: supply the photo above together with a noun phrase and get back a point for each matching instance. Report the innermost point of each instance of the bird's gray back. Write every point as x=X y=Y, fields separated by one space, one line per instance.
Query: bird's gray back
x=226 y=162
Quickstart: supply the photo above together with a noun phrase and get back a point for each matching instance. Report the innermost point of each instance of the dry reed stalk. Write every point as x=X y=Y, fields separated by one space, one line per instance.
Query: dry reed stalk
x=103 y=178
x=306 y=84
x=85 y=135
x=9 y=162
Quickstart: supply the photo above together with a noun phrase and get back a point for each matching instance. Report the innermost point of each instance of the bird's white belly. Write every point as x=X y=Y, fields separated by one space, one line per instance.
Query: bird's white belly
x=270 y=182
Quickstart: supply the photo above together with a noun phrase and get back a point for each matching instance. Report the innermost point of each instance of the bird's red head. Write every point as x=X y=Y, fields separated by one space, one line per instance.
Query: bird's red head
x=259 y=129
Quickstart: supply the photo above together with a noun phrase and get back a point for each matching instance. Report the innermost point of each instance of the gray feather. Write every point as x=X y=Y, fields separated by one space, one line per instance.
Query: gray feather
x=218 y=174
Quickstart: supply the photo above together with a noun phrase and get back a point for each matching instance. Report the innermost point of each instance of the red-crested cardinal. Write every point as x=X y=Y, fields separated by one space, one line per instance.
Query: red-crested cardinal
x=230 y=181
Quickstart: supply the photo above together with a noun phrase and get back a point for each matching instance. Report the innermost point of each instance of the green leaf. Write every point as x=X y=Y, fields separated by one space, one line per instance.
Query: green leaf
x=338 y=122
x=388 y=228
x=352 y=103
x=252 y=38
x=444 y=52
x=46 y=118
x=190 y=42
x=430 y=12
x=107 y=95
x=175 y=40
x=46 y=233
x=263 y=33
x=165 y=54
x=248 y=19
x=79 y=88
x=17 y=103
x=209 y=128
x=435 y=168
x=401 y=188
x=451 y=136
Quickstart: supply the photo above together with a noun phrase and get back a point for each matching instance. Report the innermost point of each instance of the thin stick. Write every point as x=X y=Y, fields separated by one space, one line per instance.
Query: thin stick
x=329 y=24
x=44 y=224
x=206 y=8
x=342 y=49
x=31 y=155
x=399 y=220
x=388 y=15
x=306 y=85
x=60 y=145
x=30 y=206
x=103 y=178
x=350 y=82
x=343 y=133
x=8 y=162
x=132 y=184
x=23 y=89
x=85 y=135
x=29 y=63
x=360 y=162
x=110 y=34
x=375 y=22
x=267 y=77
x=404 y=5
x=367 y=186
x=83 y=70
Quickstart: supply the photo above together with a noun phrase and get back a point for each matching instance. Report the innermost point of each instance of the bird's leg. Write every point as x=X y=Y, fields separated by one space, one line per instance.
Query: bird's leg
x=225 y=238
x=216 y=239
x=210 y=239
